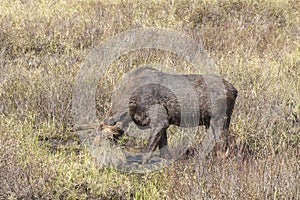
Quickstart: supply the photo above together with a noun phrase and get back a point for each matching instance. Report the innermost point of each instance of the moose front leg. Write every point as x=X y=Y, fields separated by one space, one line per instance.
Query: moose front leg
x=151 y=146
x=159 y=124
x=163 y=145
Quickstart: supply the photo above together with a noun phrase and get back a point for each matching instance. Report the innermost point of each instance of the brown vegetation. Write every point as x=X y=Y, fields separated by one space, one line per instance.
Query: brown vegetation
x=255 y=45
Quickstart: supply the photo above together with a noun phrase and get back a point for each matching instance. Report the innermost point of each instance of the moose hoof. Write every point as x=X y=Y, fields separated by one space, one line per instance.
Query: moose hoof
x=165 y=153
x=146 y=158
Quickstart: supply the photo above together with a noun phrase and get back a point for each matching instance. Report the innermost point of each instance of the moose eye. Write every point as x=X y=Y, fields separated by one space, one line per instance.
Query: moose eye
x=113 y=123
x=109 y=121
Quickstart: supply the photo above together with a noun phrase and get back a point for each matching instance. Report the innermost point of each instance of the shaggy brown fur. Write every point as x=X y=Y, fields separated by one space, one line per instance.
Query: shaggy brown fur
x=146 y=99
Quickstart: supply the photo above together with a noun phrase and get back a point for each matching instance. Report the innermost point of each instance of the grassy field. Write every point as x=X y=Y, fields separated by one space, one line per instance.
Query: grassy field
x=255 y=45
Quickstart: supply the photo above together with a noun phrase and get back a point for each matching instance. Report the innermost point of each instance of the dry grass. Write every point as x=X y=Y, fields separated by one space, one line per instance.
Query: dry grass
x=255 y=44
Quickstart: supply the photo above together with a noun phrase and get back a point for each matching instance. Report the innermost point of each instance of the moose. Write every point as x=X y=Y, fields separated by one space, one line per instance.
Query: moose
x=155 y=100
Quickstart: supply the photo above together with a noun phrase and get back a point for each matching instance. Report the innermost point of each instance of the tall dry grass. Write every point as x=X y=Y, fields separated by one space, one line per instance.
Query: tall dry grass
x=255 y=45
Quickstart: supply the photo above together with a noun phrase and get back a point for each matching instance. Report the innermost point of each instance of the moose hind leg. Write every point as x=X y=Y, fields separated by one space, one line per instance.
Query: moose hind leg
x=215 y=130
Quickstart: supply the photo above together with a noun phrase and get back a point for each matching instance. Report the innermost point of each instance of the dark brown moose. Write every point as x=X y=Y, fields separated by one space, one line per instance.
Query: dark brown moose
x=153 y=99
